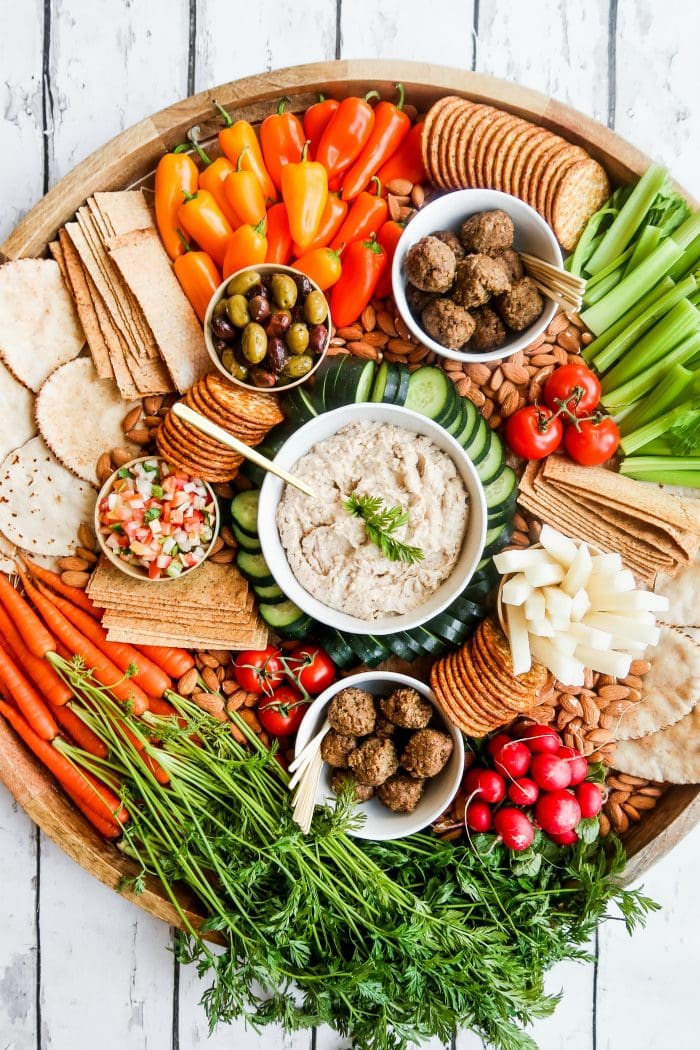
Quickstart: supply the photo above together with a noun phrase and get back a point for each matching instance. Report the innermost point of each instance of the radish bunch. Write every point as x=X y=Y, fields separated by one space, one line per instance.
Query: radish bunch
x=532 y=781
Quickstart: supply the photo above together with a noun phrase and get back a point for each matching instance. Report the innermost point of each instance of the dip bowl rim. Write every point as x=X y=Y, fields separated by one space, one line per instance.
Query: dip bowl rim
x=325 y=426
x=449 y=778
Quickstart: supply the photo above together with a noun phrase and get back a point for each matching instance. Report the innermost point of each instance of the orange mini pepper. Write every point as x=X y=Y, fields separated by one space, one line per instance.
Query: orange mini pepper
x=388 y=236
x=201 y=217
x=239 y=136
x=407 y=161
x=212 y=178
x=198 y=277
x=305 y=192
x=282 y=140
x=367 y=213
x=334 y=213
x=247 y=247
x=322 y=265
x=176 y=174
x=279 y=237
x=390 y=128
x=316 y=120
x=346 y=133
x=244 y=193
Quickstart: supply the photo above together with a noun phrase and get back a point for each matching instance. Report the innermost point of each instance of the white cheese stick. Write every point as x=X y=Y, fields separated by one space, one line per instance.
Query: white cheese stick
x=542 y=574
x=633 y=601
x=519 y=560
x=606 y=564
x=542 y=627
x=518 y=638
x=567 y=669
x=579 y=572
x=591 y=636
x=612 y=663
x=559 y=546
x=580 y=604
x=516 y=590
x=558 y=603
x=534 y=606
x=637 y=630
x=624 y=581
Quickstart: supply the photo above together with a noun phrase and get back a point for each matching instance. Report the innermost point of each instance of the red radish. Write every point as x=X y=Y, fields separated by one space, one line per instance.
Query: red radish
x=557 y=812
x=490 y=786
x=523 y=792
x=496 y=742
x=540 y=738
x=577 y=763
x=550 y=772
x=567 y=838
x=514 y=828
x=479 y=816
x=590 y=799
x=512 y=759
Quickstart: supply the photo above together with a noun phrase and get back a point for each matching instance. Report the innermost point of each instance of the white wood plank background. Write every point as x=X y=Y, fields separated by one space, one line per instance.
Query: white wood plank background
x=80 y=967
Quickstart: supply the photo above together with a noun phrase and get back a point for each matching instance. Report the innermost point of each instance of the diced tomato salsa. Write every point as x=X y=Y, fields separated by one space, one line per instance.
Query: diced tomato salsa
x=157 y=518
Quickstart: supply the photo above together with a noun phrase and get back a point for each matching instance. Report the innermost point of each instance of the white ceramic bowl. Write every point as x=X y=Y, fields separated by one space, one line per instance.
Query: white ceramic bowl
x=381 y=823
x=448 y=212
x=324 y=426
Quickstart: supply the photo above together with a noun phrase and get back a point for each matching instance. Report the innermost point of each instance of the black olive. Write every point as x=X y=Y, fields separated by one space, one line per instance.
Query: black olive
x=277 y=354
x=259 y=307
x=222 y=328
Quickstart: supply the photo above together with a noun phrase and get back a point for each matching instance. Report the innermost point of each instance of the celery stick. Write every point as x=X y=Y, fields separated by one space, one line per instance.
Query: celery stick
x=658 y=447
x=629 y=219
x=648 y=239
x=632 y=287
x=669 y=470
x=635 y=388
x=688 y=261
x=657 y=428
x=595 y=292
x=681 y=322
x=670 y=391
x=626 y=334
x=611 y=267
x=686 y=234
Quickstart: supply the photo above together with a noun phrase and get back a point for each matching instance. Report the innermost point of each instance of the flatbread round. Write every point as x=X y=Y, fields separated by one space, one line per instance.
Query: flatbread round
x=672 y=755
x=670 y=689
x=80 y=416
x=41 y=503
x=39 y=328
x=16 y=412
x=683 y=593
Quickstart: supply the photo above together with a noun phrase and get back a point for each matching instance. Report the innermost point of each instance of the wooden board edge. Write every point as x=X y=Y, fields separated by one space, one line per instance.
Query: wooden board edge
x=662 y=828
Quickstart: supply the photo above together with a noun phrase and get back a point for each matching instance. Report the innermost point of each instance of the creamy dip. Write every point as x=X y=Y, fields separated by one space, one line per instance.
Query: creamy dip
x=327 y=547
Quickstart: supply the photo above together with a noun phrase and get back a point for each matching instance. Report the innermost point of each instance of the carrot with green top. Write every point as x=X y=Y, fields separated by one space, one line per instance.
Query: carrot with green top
x=41 y=673
x=36 y=638
x=172 y=660
x=54 y=581
x=80 y=734
x=26 y=698
x=107 y=827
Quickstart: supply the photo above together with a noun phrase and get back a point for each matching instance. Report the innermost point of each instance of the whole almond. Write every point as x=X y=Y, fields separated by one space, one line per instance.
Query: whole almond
x=488 y=409
x=230 y=686
x=496 y=381
x=639 y=667
x=217 y=545
x=418 y=354
x=76 y=579
x=506 y=388
x=210 y=679
x=543 y=359
x=223 y=557
x=586 y=338
x=152 y=404
x=543 y=374
x=152 y=421
x=374 y=338
x=401 y=346
x=557 y=324
x=452 y=366
x=534 y=346
x=251 y=719
x=629 y=778
x=614 y=692
x=235 y=700
x=651 y=791
x=140 y=436
x=559 y=355
x=223 y=656
x=464 y=388
x=87 y=555
x=417 y=196
x=73 y=564
x=207 y=660
x=120 y=456
x=131 y=419
x=591 y=711
x=569 y=339
x=406 y=213
x=510 y=404
x=104 y=467
x=386 y=323
x=571 y=703
x=358 y=348
x=86 y=537
x=477 y=397
x=604 y=825
x=633 y=681
x=478 y=374
x=394 y=207
x=352 y=331
x=631 y=811
x=402 y=329
x=399 y=187
x=212 y=703
x=517 y=374
x=642 y=801
x=600 y=736
x=368 y=318
x=188 y=682
x=227 y=537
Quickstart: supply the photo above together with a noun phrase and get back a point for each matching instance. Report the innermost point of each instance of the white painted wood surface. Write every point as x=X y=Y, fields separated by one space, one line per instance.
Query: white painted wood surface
x=79 y=967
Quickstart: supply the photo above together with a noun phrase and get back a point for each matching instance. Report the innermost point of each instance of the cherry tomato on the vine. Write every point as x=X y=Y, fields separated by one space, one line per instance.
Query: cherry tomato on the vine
x=592 y=442
x=534 y=431
x=281 y=713
x=259 y=670
x=311 y=668
x=574 y=386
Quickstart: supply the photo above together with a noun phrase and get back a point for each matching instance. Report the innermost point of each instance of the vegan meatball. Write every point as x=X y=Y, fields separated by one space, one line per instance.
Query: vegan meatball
x=352 y=712
x=521 y=305
x=336 y=748
x=452 y=241
x=417 y=300
x=447 y=323
x=425 y=753
x=478 y=278
x=489 y=333
x=488 y=231
x=343 y=777
x=374 y=761
x=430 y=265
x=407 y=708
x=512 y=263
x=401 y=793
x=384 y=727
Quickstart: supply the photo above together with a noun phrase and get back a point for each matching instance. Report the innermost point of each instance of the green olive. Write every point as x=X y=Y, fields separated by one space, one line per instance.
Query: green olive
x=220 y=308
x=233 y=366
x=298 y=366
x=297 y=338
x=284 y=290
x=243 y=282
x=315 y=308
x=254 y=343
x=237 y=310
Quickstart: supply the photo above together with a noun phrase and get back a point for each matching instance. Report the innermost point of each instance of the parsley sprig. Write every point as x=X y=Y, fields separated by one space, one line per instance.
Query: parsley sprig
x=381 y=523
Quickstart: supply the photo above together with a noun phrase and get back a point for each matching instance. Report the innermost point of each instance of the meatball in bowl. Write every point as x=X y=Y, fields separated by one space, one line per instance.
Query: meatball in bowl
x=458 y=280
x=390 y=746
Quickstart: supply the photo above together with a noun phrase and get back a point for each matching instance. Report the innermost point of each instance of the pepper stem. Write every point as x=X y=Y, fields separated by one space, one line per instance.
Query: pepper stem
x=304 y=151
x=189 y=196
x=227 y=118
x=402 y=95
x=192 y=136
x=371 y=94
x=184 y=147
x=184 y=240
x=375 y=179
x=282 y=105
x=240 y=158
x=260 y=228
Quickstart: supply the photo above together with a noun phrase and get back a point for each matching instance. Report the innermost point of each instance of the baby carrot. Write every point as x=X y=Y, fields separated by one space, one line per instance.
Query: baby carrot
x=173 y=661
x=79 y=733
x=40 y=672
x=107 y=827
x=56 y=584
x=27 y=699
x=36 y=637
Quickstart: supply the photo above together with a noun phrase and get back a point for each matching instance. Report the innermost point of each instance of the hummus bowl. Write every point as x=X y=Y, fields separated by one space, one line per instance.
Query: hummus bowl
x=466 y=556
x=381 y=824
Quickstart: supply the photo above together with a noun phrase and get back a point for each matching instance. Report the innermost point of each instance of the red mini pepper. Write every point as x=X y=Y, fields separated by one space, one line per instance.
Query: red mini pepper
x=239 y=136
x=332 y=219
x=391 y=126
x=407 y=161
x=316 y=120
x=176 y=174
x=304 y=192
x=201 y=217
x=346 y=134
x=282 y=140
x=388 y=236
x=363 y=264
x=367 y=213
x=279 y=237
x=198 y=277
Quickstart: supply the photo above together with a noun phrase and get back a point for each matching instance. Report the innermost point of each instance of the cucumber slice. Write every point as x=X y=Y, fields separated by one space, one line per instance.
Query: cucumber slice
x=450 y=628
x=502 y=489
x=338 y=649
x=244 y=511
x=493 y=462
x=271 y=595
x=298 y=406
x=429 y=642
x=477 y=590
x=326 y=378
x=466 y=611
x=286 y=618
x=404 y=377
x=459 y=423
x=385 y=382
x=447 y=418
x=364 y=387
x=254 y=568
x=478 y=447
x=401 y=646
x=353 y=382
x=471 y=422
x=245 y=540
x=497 y=538
x=430 y=392
x=367 y=649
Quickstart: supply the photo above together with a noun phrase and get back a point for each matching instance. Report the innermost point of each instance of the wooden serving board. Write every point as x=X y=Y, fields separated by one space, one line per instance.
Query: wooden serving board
x=132 y=157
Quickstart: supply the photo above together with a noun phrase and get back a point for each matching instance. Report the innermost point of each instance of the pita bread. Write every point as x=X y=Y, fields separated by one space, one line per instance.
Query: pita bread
x=80 y=415
x=683 y=593
x=670 y=689
x=672 y=755
x=41 y=503
x=16 y=413
x=39 y=328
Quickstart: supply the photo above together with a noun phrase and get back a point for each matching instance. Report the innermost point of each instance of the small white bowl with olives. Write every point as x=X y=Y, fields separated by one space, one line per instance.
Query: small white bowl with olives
x=267 y=327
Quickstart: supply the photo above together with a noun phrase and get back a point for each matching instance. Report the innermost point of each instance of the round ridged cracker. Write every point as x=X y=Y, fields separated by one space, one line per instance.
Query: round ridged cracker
x=463 y=141
x=559 y=171
x=531 y=154
x=484 y=145
x=80 y=415
x=39 y=328
x=439 y=140
x=41 y=503
x=258 y=408
x=463 y=699
x=16 y=412
x=557 y=163
x=427 y=134
x=463 y=117
x=493 y=164
x=517 y=146
x=539 y=166
x=200 y=448
x=580 y=194
x=484 y=703
x=444 y=698
x=488 y=115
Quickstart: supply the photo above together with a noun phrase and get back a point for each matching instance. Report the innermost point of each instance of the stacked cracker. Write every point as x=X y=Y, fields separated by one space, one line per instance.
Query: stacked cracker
x=211 y=608
x=475 y=685
x=141 y=330
x=652 y=530
x=466 y=144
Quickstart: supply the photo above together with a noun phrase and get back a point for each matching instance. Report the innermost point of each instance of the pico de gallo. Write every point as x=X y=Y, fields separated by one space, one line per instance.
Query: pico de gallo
x=157 y=518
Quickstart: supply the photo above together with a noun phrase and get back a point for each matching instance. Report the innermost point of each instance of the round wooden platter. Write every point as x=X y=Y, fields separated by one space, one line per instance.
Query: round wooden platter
x=131 y=157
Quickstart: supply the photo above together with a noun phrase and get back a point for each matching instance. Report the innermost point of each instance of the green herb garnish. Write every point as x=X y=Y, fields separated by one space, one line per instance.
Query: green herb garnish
x=151 y=514
x=380 y=524
x=124 y=472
